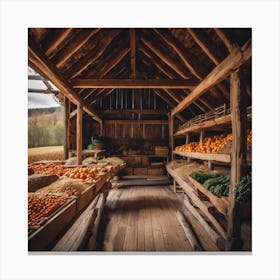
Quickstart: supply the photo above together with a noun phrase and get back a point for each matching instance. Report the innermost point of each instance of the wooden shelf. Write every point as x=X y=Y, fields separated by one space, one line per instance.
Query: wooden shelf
x=213 y=157
x=195 y=199
x=207 y=124
x=202 y=122
x=220 y=203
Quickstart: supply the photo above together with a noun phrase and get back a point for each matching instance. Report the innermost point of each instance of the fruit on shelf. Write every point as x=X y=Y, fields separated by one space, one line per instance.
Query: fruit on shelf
x=86 y=173
x=210 y=144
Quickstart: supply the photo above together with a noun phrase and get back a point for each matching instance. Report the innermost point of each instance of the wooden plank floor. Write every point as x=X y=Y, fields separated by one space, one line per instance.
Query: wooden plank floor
x=144 y=219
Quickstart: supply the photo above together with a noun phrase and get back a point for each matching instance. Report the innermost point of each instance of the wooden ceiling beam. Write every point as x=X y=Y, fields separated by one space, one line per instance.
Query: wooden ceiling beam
x=173 y=95
x=134 y=111
x=133 y=53
x=176 y=97
x=204 y=43
x=163 y=67
x=133 y=83
x=73 y=46
x=224 y=38
x=52 y=43
x=179 y=49
x=53 y=74
x=190 y=60
x=92 y=55
x=108 y=64
x=113 y=71
x=232 y=62
x=165 y=57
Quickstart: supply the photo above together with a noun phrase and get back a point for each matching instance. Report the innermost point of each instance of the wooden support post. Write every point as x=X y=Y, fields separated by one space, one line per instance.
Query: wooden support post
x=79 y=134
x=101 y=129
x=187 y=138
x=171 y=137
x=238 y=158
x=67 y=104
x=201 y=135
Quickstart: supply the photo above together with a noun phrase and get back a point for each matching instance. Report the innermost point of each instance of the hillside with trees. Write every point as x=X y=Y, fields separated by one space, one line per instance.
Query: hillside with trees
x=45 y=127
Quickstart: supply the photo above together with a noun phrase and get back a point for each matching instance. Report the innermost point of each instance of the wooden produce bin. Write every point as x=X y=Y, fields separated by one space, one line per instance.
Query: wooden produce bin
x=220 y=203
x=84 y=199
x=41 y=238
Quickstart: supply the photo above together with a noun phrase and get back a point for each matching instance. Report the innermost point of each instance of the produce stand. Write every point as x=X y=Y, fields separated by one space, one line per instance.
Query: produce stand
x=40 y=238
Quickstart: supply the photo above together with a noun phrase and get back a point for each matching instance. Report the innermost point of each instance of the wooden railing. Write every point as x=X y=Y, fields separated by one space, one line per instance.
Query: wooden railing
x=214 y=114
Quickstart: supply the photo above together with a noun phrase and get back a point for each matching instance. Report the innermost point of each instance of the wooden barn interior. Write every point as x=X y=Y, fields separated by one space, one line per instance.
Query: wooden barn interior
x=149 y=111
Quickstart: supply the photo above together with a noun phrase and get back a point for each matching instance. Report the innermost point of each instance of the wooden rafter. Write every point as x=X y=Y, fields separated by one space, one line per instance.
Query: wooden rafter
x=133 y=83
x=163 y=67
x=37 y=57
x=178 y=48
x=236 y=58
x=73 y=46
x=93 y=55
x=190 y=60
x=170 y=75
x=165 y=57
x=59 y=36
x=108 y=64
x=205 y=44
x=215 y=56
x=224 y=38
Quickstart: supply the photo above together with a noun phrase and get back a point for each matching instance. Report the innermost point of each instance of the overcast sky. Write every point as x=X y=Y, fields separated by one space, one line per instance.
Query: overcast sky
x=40 y=100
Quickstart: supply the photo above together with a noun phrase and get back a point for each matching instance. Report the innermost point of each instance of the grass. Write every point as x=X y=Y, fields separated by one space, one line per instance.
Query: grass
x=45 y=153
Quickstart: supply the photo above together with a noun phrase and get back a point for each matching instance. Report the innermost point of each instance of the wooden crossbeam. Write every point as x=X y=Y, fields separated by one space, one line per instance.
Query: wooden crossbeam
x=45 y=91
x=92 y=56
x=134 y=111
x=133 y=83
x=73 y=46
x=136 y=122
x=37 y=57
x=233 y=61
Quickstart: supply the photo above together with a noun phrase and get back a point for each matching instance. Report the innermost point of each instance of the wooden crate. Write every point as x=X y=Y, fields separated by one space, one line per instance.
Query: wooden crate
x=220 y=203
x=145 y=161
x=84 y=199
x=140 y=171
x=156 y=171
x=40 y=239
x=161 y=150
x=133 y=161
